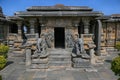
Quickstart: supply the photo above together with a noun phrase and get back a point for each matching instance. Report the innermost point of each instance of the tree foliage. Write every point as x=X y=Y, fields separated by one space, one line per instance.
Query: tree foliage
x=3 y=62
x=4 y=50
x=117 y=46
x=115 y=65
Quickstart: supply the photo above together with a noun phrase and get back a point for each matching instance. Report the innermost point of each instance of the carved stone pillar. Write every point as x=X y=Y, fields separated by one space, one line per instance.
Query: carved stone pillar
x=86 y=25
x=19 y=24
x=32 y=26
x=99 y=37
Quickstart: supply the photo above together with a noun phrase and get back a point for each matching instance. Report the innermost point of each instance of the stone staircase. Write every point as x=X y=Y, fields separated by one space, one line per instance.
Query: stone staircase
x=59 y=58
x=39 y=63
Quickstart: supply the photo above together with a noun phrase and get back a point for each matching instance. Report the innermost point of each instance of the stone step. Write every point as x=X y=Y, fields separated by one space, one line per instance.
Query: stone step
x=40 y=61
x=61 y=56
x=59 y=63
x=59 y=59
x=18 y=52
x=80 y=60
x=81 y=65
x=17 y=49
x=38 y=66
x=59 y=51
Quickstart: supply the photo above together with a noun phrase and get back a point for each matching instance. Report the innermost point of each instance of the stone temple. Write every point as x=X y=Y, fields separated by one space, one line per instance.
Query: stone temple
x=60 y=36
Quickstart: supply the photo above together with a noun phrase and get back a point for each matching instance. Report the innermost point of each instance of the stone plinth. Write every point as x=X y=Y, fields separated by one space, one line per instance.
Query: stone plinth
x=80 y=63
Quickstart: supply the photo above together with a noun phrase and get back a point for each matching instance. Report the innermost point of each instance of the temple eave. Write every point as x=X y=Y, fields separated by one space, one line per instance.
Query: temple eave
x=58 y=14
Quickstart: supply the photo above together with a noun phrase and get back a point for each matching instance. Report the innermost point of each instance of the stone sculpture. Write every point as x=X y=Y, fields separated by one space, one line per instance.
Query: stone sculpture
x=38 y=57
x=41 y=48
x=78 y=47
x=38 y=44
x=79 y=56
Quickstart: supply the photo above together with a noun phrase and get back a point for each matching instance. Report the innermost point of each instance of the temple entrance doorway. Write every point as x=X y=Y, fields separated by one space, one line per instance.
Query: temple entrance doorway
x=59 y=33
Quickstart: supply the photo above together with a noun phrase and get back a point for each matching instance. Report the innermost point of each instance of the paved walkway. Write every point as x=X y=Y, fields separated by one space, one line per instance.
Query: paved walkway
x=16 y=70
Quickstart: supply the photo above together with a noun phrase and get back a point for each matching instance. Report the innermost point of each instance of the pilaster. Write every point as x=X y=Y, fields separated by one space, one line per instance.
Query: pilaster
x=32 y=25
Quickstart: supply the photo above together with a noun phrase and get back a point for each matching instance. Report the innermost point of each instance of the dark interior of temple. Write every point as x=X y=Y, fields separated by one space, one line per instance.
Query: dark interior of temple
x=59 y=37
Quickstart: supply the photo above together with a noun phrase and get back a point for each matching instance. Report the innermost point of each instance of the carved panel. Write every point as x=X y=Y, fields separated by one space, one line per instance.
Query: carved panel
x=69 y=39
x=60 y=23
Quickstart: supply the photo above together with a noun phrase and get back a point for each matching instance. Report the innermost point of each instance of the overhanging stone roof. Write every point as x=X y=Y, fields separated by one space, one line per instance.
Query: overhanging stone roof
x=14 y=18
x=59 y=7
x=104 y=17
x=58 y=13
x=110 y=18
x=58 y=10
x=115 y=15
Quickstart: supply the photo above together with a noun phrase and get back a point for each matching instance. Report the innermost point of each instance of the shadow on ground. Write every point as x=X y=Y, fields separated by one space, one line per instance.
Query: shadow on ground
x=108 y=61
x=8 y=63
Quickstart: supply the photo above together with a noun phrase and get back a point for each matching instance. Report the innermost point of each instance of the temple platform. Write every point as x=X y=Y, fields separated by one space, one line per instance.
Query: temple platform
x=17 y=71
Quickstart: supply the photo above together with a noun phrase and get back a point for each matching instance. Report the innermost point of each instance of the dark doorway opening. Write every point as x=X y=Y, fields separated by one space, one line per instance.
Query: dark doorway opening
x=59 y=34
x=39 y=30
x=81 y=28
x=14 y=28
